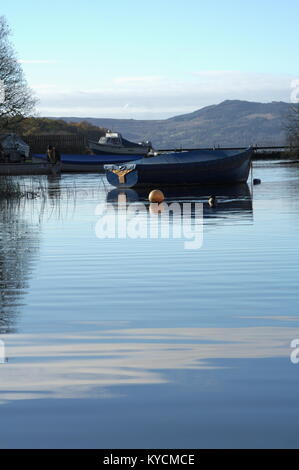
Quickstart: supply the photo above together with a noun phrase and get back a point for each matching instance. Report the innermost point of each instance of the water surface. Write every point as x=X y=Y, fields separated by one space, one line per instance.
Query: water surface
x=122 y=342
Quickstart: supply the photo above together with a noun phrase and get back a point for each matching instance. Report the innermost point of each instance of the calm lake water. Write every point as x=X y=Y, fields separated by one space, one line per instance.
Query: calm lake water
x=142 y=342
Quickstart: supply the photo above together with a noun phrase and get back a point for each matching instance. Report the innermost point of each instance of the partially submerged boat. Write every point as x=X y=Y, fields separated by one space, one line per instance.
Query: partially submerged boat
x=183 y=169
x=114 y=143
x=16 y=169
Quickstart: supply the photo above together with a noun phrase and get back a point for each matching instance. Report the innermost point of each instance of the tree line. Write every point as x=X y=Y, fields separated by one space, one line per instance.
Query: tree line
x=17 y=99
x=43 y=126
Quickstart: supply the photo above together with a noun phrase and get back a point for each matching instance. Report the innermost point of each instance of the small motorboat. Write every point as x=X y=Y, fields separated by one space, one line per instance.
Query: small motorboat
x=183 y=169
x=114 y=143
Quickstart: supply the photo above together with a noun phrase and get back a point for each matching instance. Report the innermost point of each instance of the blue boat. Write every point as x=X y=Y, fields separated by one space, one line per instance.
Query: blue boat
x=183 y=169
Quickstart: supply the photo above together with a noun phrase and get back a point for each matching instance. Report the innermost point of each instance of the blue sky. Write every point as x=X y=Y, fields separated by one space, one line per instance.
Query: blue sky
x=155 y=59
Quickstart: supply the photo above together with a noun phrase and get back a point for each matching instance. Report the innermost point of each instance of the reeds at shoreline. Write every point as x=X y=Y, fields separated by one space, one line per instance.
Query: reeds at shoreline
x=11 y=188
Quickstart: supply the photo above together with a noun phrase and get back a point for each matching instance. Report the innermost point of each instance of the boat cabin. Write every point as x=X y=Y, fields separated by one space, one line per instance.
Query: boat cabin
x=111 y=138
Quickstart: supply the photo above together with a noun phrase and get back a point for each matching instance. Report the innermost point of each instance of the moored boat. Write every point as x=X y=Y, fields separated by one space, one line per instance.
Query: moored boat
x=114 y=143
x=15 y=169
x=44 y=168
x=183 y=169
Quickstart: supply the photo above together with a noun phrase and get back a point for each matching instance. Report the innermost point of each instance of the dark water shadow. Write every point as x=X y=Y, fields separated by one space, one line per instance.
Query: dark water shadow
x=19 y=243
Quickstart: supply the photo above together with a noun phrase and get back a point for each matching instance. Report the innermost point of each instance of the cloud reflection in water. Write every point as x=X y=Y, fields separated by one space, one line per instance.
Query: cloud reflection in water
x=90 y=363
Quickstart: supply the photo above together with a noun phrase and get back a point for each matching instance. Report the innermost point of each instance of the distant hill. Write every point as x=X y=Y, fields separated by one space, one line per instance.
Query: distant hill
x=230 y=123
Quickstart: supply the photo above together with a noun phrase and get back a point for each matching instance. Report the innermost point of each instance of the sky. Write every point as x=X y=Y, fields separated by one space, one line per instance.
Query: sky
x=152 y=60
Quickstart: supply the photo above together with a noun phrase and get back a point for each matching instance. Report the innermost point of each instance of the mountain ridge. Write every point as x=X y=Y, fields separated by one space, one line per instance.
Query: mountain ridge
x=229 y=123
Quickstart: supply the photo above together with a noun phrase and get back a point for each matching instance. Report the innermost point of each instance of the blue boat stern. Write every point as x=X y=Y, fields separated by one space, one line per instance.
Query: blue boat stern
x=122 y=176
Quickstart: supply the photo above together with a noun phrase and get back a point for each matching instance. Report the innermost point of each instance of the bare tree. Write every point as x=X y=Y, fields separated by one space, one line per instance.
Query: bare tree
x=16 y=100
x=292 y=126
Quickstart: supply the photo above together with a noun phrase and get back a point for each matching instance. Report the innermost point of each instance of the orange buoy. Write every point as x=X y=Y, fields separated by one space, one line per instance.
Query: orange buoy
x=156 y=196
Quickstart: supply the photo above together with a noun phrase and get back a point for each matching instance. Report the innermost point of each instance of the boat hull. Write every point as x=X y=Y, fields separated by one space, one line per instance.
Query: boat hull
x=16 y=169
x=87 y=163
x=183 y=169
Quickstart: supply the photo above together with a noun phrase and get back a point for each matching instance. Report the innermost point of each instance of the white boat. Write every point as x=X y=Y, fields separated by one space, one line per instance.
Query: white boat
x=114 y=143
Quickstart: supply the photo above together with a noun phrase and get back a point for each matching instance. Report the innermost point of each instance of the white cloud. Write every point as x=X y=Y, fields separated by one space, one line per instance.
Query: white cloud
x=44 y=87
x=156 y=97
x=234 y=81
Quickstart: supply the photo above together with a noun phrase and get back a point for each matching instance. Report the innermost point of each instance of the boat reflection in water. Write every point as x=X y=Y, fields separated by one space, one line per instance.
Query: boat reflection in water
x=232 y=201
x=182 y=215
